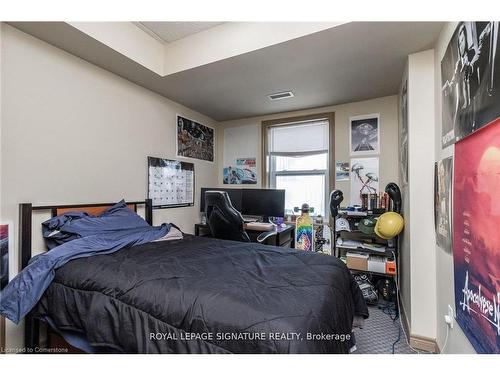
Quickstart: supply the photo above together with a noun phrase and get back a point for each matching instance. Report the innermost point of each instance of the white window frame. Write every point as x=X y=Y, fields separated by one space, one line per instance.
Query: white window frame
x=309 y=172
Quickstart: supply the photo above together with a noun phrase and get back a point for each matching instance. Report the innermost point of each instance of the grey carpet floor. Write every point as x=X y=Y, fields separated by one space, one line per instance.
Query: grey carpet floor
x=378 y=334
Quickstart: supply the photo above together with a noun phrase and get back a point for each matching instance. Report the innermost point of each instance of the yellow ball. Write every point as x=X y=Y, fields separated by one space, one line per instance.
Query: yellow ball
x=389 y=225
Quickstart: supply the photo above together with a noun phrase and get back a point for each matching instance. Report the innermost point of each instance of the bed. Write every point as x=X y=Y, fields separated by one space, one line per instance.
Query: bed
x=198 y=295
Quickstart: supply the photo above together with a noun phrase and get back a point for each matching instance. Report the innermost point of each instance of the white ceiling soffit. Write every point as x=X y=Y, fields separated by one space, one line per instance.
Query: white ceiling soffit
x=347 y=63
x=129 y=40
x=193 y=45
x=169 y=32
x=231 y=39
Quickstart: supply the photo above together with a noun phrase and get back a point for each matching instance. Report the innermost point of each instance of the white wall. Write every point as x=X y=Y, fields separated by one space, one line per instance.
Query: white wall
x=429 y=279
x=240 y=142
x=386 y=106
x=421 y=180
x=74 y=133
x=457 y=341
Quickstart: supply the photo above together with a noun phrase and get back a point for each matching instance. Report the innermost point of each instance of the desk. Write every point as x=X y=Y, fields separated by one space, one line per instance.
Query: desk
x=283 y=238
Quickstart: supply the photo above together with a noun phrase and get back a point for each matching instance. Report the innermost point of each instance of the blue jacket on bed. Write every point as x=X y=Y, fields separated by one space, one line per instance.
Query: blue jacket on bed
x=72 y=236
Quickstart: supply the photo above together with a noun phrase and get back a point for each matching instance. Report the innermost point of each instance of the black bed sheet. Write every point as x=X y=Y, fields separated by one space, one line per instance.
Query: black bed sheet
x=203 y=295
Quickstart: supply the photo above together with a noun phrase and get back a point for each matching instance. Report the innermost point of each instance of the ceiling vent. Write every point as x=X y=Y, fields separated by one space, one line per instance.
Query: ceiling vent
x=281 y=95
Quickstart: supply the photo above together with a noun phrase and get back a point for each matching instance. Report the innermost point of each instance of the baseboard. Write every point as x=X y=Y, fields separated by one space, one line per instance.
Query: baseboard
x=424 y=343
x=404 y=318
x=417 y=342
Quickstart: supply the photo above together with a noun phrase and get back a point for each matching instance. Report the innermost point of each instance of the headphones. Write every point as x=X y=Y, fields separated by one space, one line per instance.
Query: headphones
x=336 y=197
x=392 y=189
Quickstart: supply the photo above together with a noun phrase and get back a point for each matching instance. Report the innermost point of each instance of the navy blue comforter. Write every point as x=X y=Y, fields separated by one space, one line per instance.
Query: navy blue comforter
x=72 y=236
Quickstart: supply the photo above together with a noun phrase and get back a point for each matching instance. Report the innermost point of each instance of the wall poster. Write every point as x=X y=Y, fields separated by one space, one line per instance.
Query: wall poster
x=195 y=140
x=241 y=143
x=242 y=172
x=364 y=135
x=442 y=203
x=470 y=79
x=364 y=178
x=342 y=171
x=476 y=237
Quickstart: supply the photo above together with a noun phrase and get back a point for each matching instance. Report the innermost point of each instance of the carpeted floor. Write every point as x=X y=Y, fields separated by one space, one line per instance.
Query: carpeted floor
x=379 y=333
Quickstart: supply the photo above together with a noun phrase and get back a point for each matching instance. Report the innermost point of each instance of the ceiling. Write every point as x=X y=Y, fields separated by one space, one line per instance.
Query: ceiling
x=351 y=62
x=348 y=63
x=169 y=32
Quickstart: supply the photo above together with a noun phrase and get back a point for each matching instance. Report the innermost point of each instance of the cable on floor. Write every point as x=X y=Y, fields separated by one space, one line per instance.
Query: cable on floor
x=446 y=338
x=399 y=306
x=390 y=309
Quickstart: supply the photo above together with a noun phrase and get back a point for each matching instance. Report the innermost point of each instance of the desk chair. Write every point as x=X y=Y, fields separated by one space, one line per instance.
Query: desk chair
x=225 y=222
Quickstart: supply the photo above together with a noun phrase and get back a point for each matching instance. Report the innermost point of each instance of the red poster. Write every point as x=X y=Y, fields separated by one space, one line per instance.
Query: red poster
x=476 y=237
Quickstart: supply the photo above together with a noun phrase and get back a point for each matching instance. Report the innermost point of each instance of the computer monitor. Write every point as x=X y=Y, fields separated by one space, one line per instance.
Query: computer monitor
x=234 y=196
x=263 y=202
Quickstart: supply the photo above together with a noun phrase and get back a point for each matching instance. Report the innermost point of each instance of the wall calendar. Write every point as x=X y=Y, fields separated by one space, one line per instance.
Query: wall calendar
x=170 y=183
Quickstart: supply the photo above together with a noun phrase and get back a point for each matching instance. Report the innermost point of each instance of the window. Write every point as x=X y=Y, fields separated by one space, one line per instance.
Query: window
x=297 y=161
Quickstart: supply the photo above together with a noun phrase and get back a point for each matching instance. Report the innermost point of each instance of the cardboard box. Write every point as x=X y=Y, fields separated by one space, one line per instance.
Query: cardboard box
x=357 y=261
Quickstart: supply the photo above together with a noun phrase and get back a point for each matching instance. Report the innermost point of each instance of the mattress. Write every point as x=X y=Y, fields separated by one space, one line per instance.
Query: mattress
x=203 y=295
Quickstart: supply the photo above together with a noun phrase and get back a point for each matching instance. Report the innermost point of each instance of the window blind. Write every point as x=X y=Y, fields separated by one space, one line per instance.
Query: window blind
x=298 y=138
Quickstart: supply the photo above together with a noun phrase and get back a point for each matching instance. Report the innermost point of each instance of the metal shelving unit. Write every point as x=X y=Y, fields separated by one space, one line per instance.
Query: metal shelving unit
x=354 y=234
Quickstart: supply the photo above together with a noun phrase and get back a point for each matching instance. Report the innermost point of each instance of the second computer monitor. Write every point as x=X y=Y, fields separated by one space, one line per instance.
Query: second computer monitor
x=253 y=202
x=263 y=202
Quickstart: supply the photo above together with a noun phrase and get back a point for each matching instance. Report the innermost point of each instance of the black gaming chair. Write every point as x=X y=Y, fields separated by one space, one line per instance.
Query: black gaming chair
x=225 y=222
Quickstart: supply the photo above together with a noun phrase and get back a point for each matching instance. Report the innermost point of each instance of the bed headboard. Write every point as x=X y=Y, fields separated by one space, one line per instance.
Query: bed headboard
x=26 y=214
x=91 y=210
x=31 y=329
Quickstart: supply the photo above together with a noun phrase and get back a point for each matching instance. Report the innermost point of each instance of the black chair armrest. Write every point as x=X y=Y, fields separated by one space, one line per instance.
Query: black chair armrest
x=265 y=235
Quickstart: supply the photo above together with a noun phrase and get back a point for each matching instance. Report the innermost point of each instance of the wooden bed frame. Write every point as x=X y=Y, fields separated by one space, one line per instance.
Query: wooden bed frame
x=32 y=325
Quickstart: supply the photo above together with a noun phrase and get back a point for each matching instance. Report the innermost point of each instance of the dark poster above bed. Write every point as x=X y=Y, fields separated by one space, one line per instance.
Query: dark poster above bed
x=170 y=183
x=476 y=237
x=470 y=79
x=195 y=140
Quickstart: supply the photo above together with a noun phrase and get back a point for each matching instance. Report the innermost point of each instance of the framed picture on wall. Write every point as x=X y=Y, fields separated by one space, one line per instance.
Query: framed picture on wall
x=194 y=140
x=364 y=135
